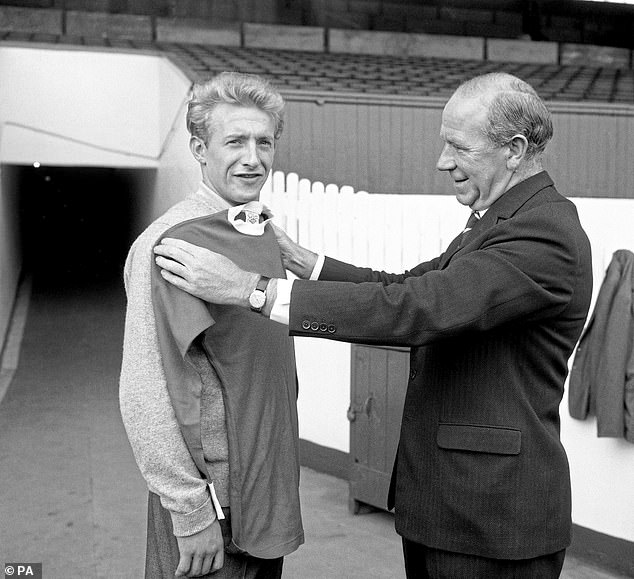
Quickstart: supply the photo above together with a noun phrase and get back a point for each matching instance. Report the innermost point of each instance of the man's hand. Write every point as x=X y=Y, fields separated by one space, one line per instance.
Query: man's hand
x=295 y=258
x=201 y=553
x=204 y=273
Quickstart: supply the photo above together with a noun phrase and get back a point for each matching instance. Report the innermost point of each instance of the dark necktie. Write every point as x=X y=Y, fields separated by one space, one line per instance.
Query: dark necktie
x=473 y=219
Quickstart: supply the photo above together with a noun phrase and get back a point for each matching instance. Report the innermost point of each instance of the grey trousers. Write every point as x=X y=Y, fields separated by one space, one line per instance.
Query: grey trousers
x=161 y=557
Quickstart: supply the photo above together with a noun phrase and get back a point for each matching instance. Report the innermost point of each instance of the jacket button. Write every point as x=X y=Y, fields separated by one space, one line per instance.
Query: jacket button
x=314 y=326
x=412 y=374
x=323 y=327
x=332 y=329
x=305 y=325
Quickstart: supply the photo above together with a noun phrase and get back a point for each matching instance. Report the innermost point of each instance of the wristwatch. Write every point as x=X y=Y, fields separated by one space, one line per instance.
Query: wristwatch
x=257 y=299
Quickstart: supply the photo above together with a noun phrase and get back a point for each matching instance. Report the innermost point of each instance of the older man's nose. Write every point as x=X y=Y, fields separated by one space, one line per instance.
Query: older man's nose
x=445 y=160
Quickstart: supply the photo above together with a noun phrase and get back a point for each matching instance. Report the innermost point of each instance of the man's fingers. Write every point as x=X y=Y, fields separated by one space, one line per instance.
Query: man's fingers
x=170 y=265
x=179 y=245
x=195 y=569
x=219 y=561
x=176 y=280
x=172 y=252
x=183 y=566
x=185 y=252
x=208 y=563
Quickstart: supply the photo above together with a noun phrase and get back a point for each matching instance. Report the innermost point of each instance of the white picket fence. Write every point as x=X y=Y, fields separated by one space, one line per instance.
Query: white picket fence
x=396 y=232
x=392 y=232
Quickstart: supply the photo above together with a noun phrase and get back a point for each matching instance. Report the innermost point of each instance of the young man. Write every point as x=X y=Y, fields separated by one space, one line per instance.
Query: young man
x=208 y=393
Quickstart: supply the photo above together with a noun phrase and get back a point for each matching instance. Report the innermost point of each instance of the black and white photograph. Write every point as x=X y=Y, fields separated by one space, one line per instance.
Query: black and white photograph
x=317 y=289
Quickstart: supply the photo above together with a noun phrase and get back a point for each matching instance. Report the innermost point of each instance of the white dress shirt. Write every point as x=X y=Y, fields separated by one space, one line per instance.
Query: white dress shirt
x=280 y=312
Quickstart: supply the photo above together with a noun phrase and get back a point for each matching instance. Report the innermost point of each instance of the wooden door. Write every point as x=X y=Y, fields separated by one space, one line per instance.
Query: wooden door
x=379 y=381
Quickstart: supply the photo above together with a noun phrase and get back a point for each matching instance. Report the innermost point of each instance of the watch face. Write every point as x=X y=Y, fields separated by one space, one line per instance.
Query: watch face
x=257 y=300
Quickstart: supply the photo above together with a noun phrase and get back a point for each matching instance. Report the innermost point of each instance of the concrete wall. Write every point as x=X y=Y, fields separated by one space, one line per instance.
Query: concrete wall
x=126 y=132
x=109 y=25
x=285 y=37
x=403 y=44
x=178 y=173
x=10 y=250
x=602 y=469
x=591 y=55
x=568 y=21
x=503 y=50
x=190 y=31
x=14 y=18
x=449 y=32
x=323 y=371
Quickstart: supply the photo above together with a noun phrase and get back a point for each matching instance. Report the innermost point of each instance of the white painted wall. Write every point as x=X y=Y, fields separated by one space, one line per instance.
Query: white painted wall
x=323 y=371
x=73 y=107
x=602 y=469
x=178 y=173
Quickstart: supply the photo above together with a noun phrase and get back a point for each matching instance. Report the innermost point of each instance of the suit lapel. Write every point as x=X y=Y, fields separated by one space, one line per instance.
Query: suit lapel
x=453 y=248
x=505 y=207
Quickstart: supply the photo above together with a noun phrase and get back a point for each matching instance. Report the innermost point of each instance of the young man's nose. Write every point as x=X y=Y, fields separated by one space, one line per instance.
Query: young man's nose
x=250 y=156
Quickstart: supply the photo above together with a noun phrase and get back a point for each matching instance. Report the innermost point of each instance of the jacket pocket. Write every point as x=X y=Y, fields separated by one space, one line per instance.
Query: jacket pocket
x=479 y=438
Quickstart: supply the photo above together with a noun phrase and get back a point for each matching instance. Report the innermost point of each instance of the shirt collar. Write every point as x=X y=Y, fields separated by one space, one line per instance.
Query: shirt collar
x=248 y=223
x=217 y=203
x=209 y=197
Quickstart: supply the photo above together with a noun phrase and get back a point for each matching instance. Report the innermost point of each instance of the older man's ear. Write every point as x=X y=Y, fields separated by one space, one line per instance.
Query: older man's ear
x=518 y=147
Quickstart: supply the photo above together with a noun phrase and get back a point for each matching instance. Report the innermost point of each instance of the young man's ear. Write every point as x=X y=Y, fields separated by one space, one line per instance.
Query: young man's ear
x=198 y=148
x=517 y=151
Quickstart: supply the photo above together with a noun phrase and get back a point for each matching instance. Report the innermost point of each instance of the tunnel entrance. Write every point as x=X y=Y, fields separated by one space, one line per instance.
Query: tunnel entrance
x=77 y=223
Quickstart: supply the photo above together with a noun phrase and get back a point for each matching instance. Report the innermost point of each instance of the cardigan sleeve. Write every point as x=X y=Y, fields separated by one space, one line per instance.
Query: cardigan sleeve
x=148 y=416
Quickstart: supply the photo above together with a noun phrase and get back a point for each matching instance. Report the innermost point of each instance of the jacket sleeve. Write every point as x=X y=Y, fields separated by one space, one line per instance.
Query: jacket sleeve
x=525 y=269
x=335 y=270
x=148 y=416
x=629 y=395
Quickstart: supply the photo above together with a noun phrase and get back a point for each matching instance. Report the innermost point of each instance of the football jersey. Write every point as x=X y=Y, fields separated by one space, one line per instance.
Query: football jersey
x=254 y=359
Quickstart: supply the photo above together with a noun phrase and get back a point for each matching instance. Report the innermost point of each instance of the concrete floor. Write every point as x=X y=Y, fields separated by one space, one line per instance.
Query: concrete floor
x=71 y=496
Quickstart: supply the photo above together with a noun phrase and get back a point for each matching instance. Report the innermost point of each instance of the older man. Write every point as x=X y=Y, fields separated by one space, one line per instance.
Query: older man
x=481 y=485
x=208 y=392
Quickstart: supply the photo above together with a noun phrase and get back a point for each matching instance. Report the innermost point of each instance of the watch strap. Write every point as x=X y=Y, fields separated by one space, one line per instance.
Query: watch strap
x=263 y=283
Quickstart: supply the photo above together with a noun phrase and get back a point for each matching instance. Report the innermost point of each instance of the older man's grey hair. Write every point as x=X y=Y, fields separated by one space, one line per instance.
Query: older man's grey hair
x=234 y=88
x=514 y=107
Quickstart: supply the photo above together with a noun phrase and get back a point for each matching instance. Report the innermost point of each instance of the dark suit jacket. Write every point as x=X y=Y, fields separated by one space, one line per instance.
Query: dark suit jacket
x=602 y=376
x=480 y=467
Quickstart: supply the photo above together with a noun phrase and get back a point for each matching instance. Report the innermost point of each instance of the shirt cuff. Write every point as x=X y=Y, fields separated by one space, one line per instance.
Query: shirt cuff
x=319 y=264
x=280 y=312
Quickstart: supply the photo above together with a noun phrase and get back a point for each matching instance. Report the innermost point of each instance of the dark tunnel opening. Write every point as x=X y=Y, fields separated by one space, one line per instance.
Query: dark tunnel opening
x=77 y=223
